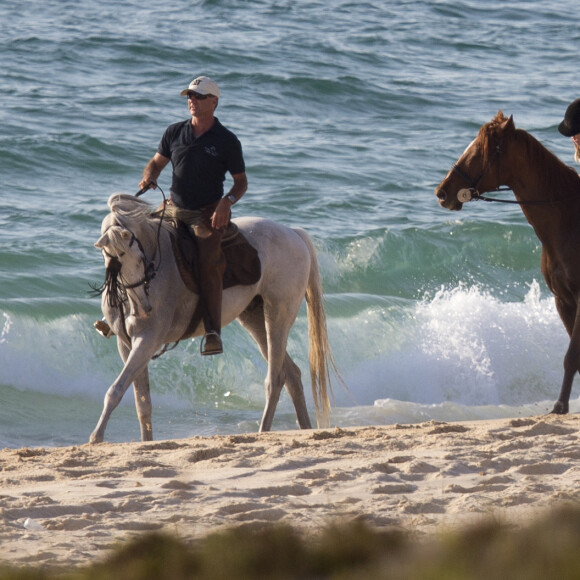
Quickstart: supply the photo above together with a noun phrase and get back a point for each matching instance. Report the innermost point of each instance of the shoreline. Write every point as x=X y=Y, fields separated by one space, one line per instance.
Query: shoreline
x=423 y=478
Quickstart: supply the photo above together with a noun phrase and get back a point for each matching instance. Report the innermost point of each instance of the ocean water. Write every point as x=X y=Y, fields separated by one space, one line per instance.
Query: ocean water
x=350 y=113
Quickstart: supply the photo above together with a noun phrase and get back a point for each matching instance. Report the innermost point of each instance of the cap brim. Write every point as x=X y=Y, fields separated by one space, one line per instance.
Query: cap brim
x=185 y=92
x=565 y=129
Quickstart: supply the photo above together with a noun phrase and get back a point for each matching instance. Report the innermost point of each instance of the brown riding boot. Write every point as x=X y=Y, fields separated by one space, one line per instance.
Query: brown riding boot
x=212 y=265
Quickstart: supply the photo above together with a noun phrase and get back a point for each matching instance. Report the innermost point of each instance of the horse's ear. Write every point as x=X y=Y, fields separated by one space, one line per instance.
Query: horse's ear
x=509 y=124
x=126 y=234
x=102 y=241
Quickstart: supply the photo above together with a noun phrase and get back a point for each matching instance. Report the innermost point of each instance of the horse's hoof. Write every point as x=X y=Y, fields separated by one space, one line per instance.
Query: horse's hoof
x=95 y=439
x=560 y=408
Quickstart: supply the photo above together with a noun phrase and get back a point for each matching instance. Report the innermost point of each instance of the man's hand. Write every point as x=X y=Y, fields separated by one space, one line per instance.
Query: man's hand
x=146 y=184
x=221 y=215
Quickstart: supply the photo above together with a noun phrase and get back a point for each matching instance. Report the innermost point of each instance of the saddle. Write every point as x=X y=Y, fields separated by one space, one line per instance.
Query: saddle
x=243 y=266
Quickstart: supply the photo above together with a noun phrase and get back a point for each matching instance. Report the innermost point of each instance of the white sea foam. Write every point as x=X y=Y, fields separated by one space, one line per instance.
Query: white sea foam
x=462 y=346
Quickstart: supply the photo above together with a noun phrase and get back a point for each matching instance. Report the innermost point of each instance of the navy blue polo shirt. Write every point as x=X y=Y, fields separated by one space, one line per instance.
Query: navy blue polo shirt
x=200 y=164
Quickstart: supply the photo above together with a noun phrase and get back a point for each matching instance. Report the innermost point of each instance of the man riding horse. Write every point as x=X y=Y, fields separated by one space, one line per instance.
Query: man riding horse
x=201 y=151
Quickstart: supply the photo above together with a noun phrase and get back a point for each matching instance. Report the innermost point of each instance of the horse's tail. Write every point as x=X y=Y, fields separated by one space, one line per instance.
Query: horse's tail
x=319 y=353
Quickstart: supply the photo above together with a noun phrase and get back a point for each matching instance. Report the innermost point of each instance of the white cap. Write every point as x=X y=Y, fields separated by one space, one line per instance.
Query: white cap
x=203 y=86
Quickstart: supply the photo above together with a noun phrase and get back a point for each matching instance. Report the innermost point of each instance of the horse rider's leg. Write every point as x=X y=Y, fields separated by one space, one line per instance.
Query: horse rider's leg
x=143 y=404
x=136 y=361
x=212 y=264
x=570 y=318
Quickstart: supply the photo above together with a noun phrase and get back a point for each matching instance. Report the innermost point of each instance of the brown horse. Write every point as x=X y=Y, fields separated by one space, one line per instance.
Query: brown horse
x=549 y=194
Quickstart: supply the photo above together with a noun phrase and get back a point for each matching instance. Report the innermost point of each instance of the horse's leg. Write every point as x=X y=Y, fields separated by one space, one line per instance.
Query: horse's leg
x=279 y=319
x=571 y=364
x=142 y=396
x=143 y=404
x=253 y=321
x=295 y=389
x=136 y=360
x=571 y=319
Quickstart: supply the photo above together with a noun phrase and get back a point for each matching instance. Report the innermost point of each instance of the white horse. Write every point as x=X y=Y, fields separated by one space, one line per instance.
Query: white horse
x=152 y=307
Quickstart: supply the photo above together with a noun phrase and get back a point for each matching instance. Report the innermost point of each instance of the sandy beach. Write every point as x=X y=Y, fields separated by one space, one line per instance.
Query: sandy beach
x=71 y=506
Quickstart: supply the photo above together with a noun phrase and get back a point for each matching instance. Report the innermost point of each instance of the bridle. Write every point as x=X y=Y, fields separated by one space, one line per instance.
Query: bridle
x=471 y=193
x=149 y=268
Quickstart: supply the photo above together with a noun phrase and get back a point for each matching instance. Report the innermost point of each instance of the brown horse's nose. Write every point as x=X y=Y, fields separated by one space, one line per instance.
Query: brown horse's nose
x=441 y=194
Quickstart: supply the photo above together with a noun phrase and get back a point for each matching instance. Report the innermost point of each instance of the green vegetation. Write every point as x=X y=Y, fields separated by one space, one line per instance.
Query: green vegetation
x=547 y=548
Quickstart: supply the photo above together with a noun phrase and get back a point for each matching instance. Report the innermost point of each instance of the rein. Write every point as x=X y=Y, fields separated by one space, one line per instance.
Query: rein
x=465 y=195
x=149 y=265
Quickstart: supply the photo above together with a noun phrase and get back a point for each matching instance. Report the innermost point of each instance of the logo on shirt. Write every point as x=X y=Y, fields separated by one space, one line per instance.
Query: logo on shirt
x=211 y=150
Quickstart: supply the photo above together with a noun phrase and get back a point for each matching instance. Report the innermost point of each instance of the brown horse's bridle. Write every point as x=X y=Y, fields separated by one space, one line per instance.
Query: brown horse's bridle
x=472 y=194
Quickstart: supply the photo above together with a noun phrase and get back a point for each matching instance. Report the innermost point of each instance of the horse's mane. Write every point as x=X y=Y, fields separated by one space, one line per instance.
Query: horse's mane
x=133 y=213
x=129 y=208
x=555 y=175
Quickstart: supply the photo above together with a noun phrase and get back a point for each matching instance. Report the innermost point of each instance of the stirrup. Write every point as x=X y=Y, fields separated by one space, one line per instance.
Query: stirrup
x=103 y=328
x=211 y=343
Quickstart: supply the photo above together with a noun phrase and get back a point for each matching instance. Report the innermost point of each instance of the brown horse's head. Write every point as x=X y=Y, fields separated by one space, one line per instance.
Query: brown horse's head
x=478 y=168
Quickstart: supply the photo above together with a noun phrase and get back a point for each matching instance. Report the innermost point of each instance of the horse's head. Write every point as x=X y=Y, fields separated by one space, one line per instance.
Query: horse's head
x=126 y=262
x=478 y=168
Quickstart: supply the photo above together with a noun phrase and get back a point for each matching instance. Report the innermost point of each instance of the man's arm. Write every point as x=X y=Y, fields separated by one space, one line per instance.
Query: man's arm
x=239 y=187
x=221 y=216
x=152 y=171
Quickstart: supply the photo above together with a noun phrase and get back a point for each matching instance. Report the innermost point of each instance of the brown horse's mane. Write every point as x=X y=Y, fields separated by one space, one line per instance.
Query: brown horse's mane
x=555 y=174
